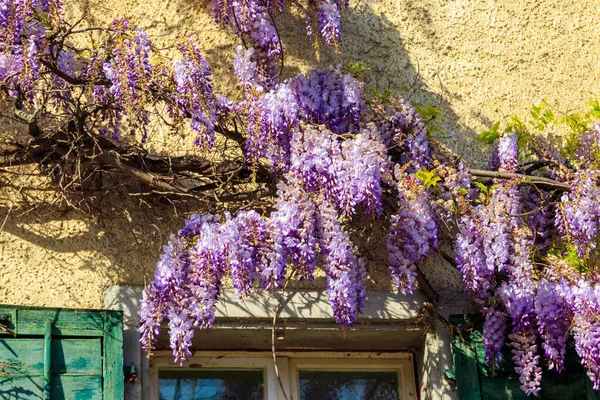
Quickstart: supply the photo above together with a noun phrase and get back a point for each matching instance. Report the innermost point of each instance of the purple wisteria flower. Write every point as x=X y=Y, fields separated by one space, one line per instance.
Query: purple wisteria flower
x=494 y=334
x=505 y=153
x=291 y=237
x=578 y=213
x=347 y=172
x=413 y=232
x=588 y=146
x=401 y=126
x=195 y=97
x=519 y=302
x=584 y=300
x=470 y=256
x=346 y=274
x=328 y=17
x=554 y=320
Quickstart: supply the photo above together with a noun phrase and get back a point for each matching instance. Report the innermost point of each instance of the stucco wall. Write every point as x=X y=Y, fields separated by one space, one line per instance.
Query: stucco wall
x=477 y=60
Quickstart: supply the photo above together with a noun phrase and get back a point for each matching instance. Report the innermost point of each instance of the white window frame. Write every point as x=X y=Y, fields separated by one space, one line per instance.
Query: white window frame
x=289 y=363
x=403 y=366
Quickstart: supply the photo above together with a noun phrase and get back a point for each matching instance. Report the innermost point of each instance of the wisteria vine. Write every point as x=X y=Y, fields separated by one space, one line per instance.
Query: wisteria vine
x=333 y=154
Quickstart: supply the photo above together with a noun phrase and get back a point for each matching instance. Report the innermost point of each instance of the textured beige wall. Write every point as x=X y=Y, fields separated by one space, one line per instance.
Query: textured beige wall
x=477 y=60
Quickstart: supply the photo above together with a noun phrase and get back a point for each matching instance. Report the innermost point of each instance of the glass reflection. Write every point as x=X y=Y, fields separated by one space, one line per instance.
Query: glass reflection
x=211 y=385
x=335 y=385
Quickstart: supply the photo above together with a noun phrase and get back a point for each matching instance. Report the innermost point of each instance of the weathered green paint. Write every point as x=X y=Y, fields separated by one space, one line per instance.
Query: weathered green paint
x=47 y=358
x=31 y=321
x=465 y=365
x=114 y=378
x=475 y=380
x=69 y=356
x=62 y=387
x=86 y=361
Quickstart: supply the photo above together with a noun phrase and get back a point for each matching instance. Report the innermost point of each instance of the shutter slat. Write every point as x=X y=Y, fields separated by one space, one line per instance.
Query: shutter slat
x=69 y=356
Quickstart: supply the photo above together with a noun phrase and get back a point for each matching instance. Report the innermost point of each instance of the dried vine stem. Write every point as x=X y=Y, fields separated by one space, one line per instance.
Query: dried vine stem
x=535 y=180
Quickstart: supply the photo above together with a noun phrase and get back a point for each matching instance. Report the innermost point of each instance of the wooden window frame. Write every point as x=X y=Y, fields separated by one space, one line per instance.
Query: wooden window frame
x=289 y=363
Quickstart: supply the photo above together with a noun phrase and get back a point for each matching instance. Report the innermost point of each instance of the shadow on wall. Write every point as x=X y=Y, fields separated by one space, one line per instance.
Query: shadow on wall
x=124 y=246
x=371 y=38
x=54 y=257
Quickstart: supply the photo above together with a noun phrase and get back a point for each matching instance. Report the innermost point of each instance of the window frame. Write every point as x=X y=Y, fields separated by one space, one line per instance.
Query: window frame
x=403 y=366
x=289 y=363
x=213 y=360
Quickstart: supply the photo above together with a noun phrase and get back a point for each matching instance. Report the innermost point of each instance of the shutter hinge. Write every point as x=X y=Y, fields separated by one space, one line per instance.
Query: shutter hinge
x=130 y=373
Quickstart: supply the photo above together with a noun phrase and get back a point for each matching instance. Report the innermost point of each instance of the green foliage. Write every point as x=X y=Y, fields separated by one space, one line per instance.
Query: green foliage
x=357 y=69
x=491 y=134
x=542 y=116
x=578 y=124
x=428 y=178
x=484 y=192
x=384 y=96
x=570 y=256
x=430 y=116
x=541 y=120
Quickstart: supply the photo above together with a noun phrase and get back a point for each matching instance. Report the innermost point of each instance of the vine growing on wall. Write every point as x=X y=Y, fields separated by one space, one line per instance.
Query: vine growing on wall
x=300 y=162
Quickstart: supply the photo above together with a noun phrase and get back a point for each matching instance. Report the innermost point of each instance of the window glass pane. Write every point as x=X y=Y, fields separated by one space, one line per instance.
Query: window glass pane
x=335 y=385
x=212 y=384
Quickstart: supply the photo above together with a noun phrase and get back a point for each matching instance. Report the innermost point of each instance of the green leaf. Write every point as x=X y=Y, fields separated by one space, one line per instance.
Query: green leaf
x=428 y=178
x=357 y=68
x=490 y=135
x=576 y=262
x=430 y=116
x=482 y=187
x=594 y=112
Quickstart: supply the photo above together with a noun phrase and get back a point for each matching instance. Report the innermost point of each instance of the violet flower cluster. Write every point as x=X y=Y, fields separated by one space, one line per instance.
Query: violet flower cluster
x=333 y=165
x=322 y=97
x=413 y=233
x=584 y=301
x=195 y=97
x=518 y=299
x=494 y=334
x=346 y=274
x=402 y=128
x=347 y=171
x=253 y=18
x=23 y=45
x=553 y=320
x=577 y=216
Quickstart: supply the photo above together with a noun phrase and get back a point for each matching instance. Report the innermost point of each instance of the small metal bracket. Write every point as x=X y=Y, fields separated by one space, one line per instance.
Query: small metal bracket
x=450 y=375
x=130 y=373
x=8 y=321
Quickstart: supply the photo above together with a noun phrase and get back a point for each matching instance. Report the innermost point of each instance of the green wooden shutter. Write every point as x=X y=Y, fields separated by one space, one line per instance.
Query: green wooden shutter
x=61 y=354
x=475 y=381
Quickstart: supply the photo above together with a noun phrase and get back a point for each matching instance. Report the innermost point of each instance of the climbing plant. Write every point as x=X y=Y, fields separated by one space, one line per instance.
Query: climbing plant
x=299 y=163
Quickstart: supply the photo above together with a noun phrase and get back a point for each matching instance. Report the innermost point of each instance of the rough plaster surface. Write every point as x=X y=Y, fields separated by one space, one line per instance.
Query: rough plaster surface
x=477 y=60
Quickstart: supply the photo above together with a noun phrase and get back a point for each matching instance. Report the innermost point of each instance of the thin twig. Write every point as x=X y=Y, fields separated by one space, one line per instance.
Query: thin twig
x=277 y=311
x=8 y=330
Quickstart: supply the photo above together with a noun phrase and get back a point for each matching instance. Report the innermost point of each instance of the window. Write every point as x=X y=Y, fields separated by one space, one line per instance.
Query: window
x=304 y=375
x=227 y=384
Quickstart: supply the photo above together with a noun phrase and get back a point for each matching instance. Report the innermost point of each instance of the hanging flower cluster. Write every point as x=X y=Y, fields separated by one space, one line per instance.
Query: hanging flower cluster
x=329 y=173
x=495 y=250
